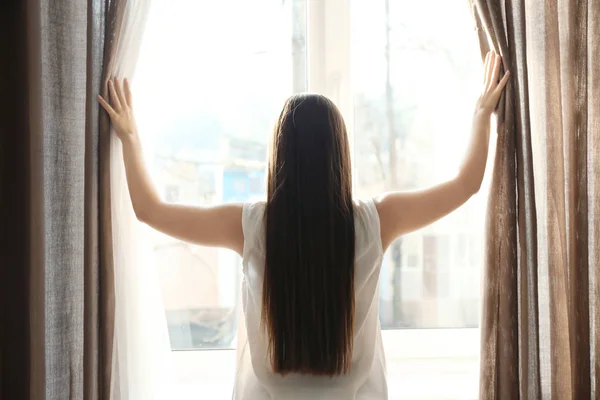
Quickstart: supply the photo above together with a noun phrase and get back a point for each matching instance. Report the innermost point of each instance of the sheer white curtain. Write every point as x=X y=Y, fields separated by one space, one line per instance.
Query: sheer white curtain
x=141 y=347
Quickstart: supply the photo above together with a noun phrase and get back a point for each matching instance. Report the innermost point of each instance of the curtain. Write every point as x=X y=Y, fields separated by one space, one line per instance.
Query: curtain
x=141 y=350
x=56 y=288
x=540 y=329
x=81 y=315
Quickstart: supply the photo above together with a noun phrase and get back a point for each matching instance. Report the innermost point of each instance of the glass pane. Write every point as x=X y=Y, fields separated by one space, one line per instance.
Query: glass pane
x=416 y=78
x=210 y=81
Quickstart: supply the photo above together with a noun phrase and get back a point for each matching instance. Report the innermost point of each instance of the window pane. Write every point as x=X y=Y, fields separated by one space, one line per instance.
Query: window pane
x=416 y=78
x=210 y=81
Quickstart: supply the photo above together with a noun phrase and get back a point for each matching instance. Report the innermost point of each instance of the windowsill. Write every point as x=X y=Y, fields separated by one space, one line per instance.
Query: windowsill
x=422 y=364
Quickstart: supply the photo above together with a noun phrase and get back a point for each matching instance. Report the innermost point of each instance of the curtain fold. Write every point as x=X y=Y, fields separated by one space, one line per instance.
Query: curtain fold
x=499 y=324
x=98 y=307
x=114 y=21
x=540 y=325
x=593 y=86
x=14 y=188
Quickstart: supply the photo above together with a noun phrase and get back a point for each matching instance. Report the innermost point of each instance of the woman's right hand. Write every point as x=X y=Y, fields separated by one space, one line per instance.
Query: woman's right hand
x=121 y=109
x=492 y=89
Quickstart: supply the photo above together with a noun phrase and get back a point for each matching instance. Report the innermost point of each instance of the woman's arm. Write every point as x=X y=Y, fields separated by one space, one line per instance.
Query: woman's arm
x=403 y=212
x=219 y=226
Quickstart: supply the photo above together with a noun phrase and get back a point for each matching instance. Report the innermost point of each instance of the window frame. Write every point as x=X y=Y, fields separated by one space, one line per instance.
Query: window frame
x=329 y=72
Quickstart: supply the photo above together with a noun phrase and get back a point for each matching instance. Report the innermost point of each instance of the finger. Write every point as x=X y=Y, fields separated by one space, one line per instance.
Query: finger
x=496 y=73
x=106 y=106
x=503 y=82
x=490 y=71
x=114 y=98
x=120 y=92
x=128 y=96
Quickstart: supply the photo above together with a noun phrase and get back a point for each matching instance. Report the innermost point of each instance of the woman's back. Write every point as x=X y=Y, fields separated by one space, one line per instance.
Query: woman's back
x=255 y=379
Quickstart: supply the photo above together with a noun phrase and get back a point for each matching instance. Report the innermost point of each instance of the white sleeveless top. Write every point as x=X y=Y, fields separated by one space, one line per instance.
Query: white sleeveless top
x=255 y=379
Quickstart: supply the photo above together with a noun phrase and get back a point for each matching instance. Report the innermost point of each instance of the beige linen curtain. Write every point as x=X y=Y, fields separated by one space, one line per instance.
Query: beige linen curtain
x=57 y=286
x=540 y=327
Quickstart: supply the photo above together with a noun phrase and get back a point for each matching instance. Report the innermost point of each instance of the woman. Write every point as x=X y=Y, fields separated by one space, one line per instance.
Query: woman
x=311 y=253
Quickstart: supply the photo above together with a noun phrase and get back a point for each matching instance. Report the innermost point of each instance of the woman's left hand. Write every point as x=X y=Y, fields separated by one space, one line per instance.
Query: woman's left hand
x=492 y=87
x=120 y=108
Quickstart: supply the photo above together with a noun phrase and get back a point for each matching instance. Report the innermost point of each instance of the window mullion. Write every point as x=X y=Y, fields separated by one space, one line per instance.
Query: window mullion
x=329 y=57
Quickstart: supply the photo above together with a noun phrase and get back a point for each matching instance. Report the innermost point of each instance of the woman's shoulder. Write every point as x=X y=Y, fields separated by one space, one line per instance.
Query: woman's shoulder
x=253 y=211
x=366 y=225
x=255 y=205
x=365 y=212
x=365 y=208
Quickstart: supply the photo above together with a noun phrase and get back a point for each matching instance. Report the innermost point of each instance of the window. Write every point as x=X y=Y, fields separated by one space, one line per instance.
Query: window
x=410 y=250
x=461 y=250
x=405 y=80
x=172 y=193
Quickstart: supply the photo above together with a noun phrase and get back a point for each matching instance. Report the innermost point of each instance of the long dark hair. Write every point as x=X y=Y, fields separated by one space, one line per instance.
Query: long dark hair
x=308 y=289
